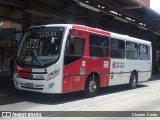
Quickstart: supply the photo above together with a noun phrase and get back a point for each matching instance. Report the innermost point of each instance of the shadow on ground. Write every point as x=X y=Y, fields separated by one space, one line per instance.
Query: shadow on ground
x=17 y=96
x=51 y=99
x=6 y=85
x=155 y=77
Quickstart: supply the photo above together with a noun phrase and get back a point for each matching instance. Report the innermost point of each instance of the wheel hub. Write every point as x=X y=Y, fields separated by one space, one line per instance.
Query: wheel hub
x=92 y=86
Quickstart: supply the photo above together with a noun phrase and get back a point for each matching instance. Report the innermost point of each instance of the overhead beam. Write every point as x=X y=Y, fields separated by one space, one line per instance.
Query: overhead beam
x=10 y=19
x=114 y=6
x=37 y=9
x=15 y=3
x=44 y=11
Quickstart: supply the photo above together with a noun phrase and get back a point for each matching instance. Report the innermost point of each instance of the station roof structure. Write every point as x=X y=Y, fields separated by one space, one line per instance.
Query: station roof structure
x=115 y=15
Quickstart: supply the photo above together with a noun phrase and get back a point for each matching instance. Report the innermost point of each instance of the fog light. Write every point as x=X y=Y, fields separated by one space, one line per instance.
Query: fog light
x=50 y=85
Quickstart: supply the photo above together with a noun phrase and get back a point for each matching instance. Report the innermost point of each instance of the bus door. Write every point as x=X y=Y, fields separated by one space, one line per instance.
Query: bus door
x=74 y=62
x=99 y=61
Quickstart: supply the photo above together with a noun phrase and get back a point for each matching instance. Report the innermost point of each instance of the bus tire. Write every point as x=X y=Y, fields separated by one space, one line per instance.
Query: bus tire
x=91 y=87
x=133 y=81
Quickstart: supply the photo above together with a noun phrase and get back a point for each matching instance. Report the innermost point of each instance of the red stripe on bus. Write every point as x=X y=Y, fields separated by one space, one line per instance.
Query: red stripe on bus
x=79 y=27
x=19 y=68
x=24 y=75
x=26 y=69
x=98 y=31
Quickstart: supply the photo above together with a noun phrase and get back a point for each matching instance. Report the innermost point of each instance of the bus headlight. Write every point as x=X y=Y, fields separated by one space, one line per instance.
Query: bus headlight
x=53 y=74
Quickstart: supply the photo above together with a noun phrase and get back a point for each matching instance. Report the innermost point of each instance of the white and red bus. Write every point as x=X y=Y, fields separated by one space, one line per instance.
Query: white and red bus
x=63 y=58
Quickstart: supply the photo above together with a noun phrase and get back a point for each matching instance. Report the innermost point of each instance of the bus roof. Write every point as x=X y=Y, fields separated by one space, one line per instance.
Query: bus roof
x=99 y=31
x=90 y=29
x=128 y=38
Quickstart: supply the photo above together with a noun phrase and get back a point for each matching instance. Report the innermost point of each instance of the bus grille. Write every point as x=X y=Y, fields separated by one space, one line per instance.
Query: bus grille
x=36 y=87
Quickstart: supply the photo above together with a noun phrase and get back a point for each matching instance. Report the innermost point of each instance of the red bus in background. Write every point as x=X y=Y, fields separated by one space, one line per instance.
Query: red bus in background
x=63 y=58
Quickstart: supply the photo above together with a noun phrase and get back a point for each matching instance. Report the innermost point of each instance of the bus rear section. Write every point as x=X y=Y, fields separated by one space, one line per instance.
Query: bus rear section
x=131 y=60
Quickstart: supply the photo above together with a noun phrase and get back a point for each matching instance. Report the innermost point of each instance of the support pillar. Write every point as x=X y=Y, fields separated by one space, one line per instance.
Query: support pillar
x=153 y=39
x=26 y=17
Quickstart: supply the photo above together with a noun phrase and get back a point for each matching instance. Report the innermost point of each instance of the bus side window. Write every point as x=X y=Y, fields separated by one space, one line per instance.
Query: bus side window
x=98 y=46
x=74 y=49
x=131 y=50
x=117 y=48
x=75 y=46
x=143 y=52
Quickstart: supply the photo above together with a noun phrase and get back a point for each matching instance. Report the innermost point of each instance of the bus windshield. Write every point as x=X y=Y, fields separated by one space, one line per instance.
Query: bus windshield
x=40 y=46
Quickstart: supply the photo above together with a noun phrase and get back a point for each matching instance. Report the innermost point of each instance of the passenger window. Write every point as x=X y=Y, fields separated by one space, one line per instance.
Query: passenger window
x=143 y=52
x=75 y=46
x=131 y=50
x=117 y=48
x=98 y=46
x=74 y=49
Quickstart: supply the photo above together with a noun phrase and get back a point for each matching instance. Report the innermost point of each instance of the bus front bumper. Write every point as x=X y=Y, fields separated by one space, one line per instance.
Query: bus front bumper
x=43 y=86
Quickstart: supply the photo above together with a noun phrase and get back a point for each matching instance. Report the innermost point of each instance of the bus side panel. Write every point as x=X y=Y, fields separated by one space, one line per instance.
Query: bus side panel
x=100 y=66
x=77 y=83
x=75 y=72
x=74 y=76
x=144 y=70
x=120 y=71
x=143 y=76
x=66 y=84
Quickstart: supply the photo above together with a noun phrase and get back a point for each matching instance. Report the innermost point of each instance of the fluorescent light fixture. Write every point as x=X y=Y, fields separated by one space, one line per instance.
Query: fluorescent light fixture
x=89 y=7
x=114 y=12
x=121 y=19
x=143 y=28
x=103 y=7
x=142 y=24
x=133 y=20
x=87 y=1
x=157 y=33
x=128 y=18
x=1 y=23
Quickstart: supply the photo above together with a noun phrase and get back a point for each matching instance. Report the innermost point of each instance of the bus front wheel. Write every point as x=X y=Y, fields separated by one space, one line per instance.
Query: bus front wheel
x=91 y=87
x=133 y=81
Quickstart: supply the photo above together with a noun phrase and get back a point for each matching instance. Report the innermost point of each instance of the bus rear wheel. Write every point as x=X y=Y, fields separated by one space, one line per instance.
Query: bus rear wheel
x=91 y=87
x=133 y=81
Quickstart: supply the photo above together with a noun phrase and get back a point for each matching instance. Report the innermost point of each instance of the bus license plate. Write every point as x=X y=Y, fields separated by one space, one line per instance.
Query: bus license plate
x=30 y=85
